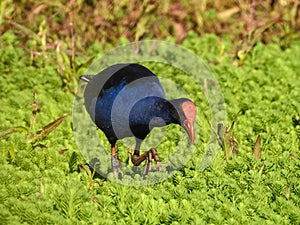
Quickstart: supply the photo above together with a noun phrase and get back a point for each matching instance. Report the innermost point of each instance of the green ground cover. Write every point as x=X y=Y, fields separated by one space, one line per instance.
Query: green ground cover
x=41 y=183
x=253 y=49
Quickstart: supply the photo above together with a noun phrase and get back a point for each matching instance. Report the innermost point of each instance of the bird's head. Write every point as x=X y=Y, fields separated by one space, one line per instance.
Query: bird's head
x=187 y=113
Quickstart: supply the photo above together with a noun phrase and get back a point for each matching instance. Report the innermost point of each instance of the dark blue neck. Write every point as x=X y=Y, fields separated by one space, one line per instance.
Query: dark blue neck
x=154 y=111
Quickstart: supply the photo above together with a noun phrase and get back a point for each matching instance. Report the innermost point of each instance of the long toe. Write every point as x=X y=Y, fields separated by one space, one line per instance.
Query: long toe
x=156 y=159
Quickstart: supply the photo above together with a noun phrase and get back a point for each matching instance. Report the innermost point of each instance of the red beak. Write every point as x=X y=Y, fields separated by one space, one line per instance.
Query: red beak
x=189 y=128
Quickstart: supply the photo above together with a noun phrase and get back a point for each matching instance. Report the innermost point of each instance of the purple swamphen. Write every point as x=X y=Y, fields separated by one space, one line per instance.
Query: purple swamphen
x=127 y=100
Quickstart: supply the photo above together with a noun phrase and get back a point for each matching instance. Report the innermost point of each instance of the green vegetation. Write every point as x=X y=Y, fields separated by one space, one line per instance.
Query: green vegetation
x=44 y=178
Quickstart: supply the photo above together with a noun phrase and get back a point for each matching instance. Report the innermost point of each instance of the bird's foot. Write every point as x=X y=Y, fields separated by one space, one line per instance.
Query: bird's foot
x=137 y=159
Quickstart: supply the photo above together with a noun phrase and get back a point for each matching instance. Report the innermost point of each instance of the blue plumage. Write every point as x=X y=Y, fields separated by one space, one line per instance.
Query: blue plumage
x=127 y=100
x=112 y=94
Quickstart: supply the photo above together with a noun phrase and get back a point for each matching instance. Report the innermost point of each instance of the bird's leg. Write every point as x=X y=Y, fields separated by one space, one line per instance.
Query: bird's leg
x=155 y=156
x=114 y=162
x=136 y=159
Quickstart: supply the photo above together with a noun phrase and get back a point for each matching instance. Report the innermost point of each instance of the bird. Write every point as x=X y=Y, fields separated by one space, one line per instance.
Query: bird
x=128 y=100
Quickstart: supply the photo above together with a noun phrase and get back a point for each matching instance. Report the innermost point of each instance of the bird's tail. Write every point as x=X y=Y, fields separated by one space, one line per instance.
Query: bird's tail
x=86 y=78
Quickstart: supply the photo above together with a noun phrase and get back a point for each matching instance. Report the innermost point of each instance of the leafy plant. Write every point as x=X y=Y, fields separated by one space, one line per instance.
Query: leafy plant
x=44 y=185
x=44 y=132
